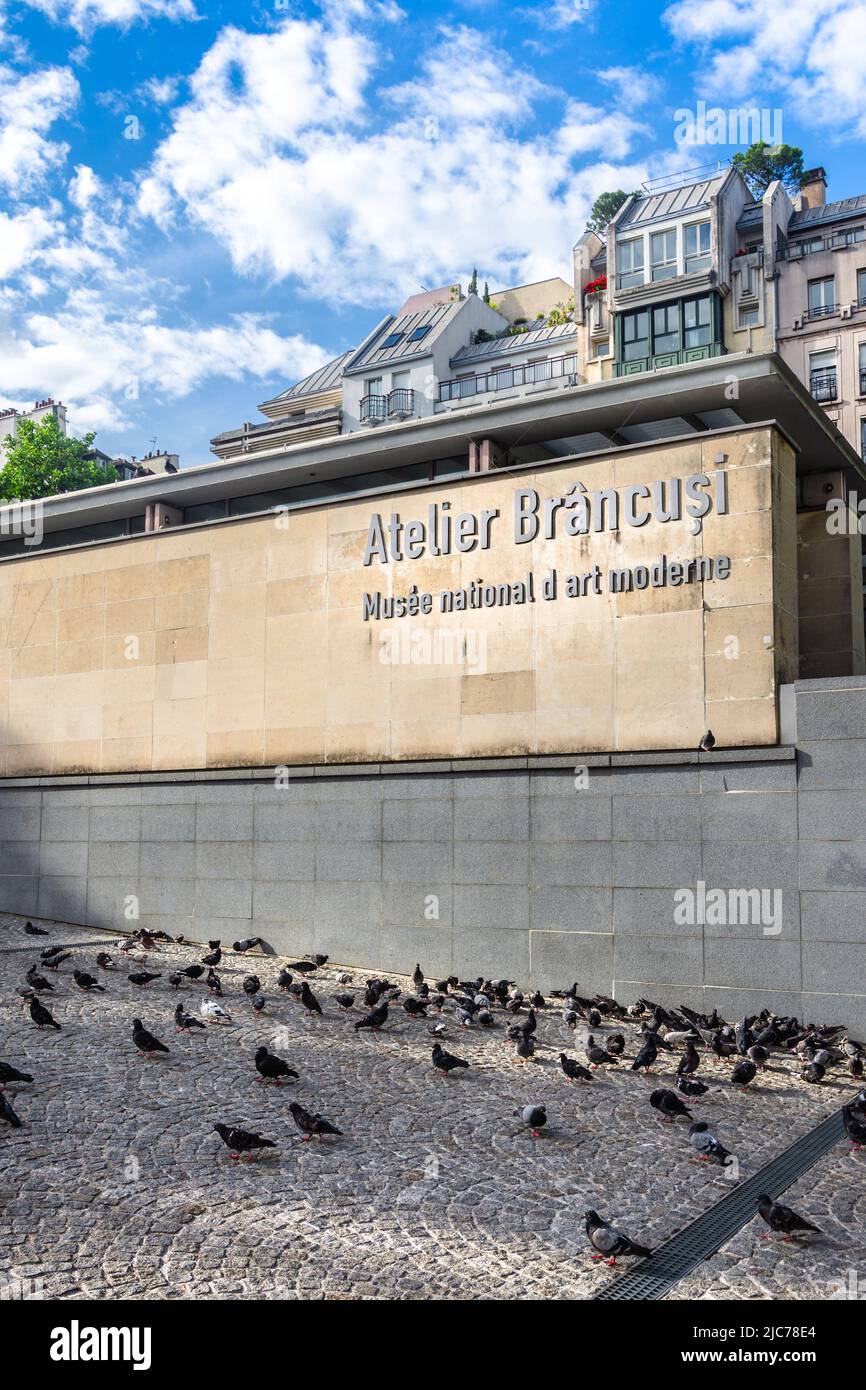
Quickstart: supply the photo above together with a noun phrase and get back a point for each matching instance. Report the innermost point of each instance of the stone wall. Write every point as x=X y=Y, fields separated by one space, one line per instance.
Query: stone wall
x=505 y=867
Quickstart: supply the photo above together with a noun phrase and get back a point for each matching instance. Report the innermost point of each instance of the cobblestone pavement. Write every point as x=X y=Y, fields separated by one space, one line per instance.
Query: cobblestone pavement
x=117 y=1186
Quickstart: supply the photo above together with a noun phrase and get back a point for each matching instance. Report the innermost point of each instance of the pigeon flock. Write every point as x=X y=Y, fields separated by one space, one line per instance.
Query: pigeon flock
x=666 y=1060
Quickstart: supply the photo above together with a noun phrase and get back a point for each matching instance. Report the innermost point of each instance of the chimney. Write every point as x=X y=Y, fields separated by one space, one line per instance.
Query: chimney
x=813 y=190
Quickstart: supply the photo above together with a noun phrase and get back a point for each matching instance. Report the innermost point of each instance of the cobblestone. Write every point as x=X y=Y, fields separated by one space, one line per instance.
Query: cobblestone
x=117 y=1186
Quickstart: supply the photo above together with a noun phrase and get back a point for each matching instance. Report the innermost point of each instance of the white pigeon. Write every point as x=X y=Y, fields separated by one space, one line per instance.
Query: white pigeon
x=213 y=1011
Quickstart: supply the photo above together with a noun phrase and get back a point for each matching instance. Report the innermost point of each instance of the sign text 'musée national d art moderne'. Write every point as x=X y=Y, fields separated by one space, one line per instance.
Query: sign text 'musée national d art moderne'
x=574 y=513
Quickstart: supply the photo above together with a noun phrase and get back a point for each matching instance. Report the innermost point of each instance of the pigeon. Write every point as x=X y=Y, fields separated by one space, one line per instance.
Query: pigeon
x=707 y=1146
x=687 y=1086
x=213 y=957
x=758 y=1055
x=598 y=1056
x=690 y=1060
x=303 y=967
x=813 y=1072
x=241 y=1143
x=284 y=979
x=569 y=1018
x=185 y=1022
x=608 y=1242
x=416 y=1008
x=446 y=1062
x=309 y=1000
x=311 y=1125
x=34 y=931
x=175 y=979
x=258 y=1004
x=53 y=962
x=9 y=1073
x=707 y=743
x=782 y=1219
x=321 y=960
x=646 y=1056
x=38 y=981
x=669 y=1105
x=417 y=976
x=8 y=1114
x=247 y=944
x=104 y=961
x=213 y=984
x=344 y=978
x=271 y=1068
x=141 y=977
x=87 y=982
x=193 y=972
x=854 y=1126
x=743 y=1074
x=534 y=1117
x=41 y=1017
x=214 y=1012
x=525 y=1048
x=252 y=985
x=374 y=1019
x=615 y=1044
x=573 y=1070
x=146 y=1043
x=344 y=1001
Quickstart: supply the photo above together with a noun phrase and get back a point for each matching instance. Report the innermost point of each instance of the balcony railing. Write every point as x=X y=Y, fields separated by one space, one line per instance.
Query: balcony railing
x=820 y=311
x=395 y=405
x=822 y=384
x=505 y=378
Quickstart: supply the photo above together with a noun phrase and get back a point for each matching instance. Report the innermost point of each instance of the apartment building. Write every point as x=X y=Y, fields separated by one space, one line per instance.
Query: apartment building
x=11 y=418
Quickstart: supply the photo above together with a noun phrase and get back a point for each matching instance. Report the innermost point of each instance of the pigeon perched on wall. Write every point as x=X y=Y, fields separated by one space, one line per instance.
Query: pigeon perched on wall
x=573 y=1070
x=146 y=1043
x=608 y=1242
x=707 y=743
x=707 y=1146
x=669 y=1105
x=242 y=1143
x=534 y=1117
x=446 y=1062
x=782 y=1219
x=40 y=1015
x=272 y=1068
x=311 y=1126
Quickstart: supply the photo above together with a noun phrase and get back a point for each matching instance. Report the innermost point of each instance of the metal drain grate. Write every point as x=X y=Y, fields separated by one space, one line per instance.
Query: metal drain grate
x=681 y=1254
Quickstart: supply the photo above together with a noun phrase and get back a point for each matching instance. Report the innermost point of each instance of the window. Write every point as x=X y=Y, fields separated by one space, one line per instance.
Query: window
x=697 y=247
x=666 y=328
x=392 y=340
x=861 y=288
x=601 y=349
x=418 y=333
x=822 y=296
x=697 y=322
x=861 y=384
x=822 y=375
x=748 y=318
x=373 y=386
x=539 y=370
x=850 y=236
x=863 y=438
x=629 y=263
x=805 y=247
x=663 y=255
x=635 y=336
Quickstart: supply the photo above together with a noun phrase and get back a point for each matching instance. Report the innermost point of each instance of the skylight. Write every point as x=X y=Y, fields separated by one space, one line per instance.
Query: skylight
x=392 y=340
x=418 y=333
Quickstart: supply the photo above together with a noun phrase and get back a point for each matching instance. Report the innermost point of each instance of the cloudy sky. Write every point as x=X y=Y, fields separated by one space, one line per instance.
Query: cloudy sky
x=202 y=200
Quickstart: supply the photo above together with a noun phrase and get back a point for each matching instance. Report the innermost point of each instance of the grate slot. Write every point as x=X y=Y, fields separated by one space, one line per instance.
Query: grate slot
x=677 y=1257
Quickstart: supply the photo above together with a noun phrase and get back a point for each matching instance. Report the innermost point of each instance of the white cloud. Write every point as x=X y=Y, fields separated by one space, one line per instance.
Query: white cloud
x=87 y=15
x=632 y=85
x=811 y=52
x=84 y=186
x=283 y=156
x=29 y=105
x=20 y=235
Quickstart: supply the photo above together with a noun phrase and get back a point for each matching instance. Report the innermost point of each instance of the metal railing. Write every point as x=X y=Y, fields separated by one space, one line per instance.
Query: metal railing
x=401 y=401
x=393 y=405
x=822 y=384
x=505 y=378
x=821 y=311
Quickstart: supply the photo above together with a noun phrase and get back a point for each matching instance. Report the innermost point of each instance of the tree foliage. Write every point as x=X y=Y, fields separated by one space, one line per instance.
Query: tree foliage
x=41 y=461
x=761 y=163
x=604 y=209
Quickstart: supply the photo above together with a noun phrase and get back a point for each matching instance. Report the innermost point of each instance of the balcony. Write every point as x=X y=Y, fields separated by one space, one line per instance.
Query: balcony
x=396 y=405
x=822 y=384
x=821 y=311
x=506 y=378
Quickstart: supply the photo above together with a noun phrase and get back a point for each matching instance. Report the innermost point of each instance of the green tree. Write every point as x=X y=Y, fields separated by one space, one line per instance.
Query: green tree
x=473 y=283
x=486 y=294
x=761 y=163
x=604 y=209
x=42 y=462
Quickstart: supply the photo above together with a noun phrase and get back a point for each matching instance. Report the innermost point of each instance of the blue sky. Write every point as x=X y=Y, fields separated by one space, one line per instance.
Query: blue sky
x=201 y=202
